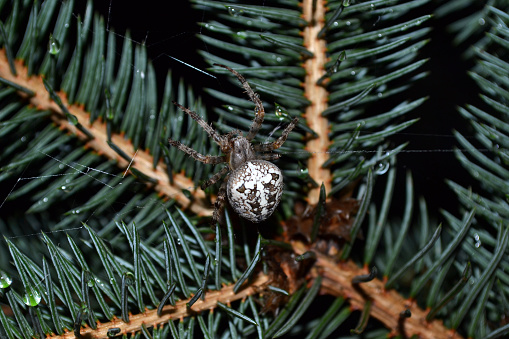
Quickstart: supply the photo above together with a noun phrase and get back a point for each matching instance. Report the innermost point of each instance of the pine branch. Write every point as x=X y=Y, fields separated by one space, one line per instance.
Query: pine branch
x=97 y=139
x=171 y=312
x=337 y=281
x=314 y=14
x=386 y=306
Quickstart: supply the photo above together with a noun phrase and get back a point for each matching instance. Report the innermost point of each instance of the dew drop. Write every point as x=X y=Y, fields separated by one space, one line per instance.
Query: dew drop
x=242 y=34
x=112 y=332
x=66 y=25
x=481 y=21
x=352 y=72
x=342 y=56
x=382 y=168
x=5 y=280
x=234 y=11
x=53 y=45
x=72 y=119
x=348 y=23
x=304 y=173
x=45 y=199
x=346 y=3
x=477 y=240
x=281 y=112
x=23 y=138
x=87 y=276
x=129 y=278
x=31 y=297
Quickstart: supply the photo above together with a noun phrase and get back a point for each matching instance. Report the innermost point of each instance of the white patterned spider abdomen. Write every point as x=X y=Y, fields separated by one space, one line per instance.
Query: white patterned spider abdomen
x=255 y=189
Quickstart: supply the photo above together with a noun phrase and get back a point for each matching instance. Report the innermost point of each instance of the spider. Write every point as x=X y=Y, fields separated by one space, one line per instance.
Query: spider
x=253 y=184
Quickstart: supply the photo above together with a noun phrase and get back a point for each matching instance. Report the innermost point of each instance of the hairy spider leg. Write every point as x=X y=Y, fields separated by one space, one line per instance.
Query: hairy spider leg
x=206 y=159
x=213 y=179
x=280 y=141
x=259 y=110
x=268 y=156
x=220 y=201
x=211 y=131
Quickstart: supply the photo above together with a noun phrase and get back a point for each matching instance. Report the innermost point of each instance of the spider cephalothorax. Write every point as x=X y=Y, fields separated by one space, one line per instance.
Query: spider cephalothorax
x=253 y=184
